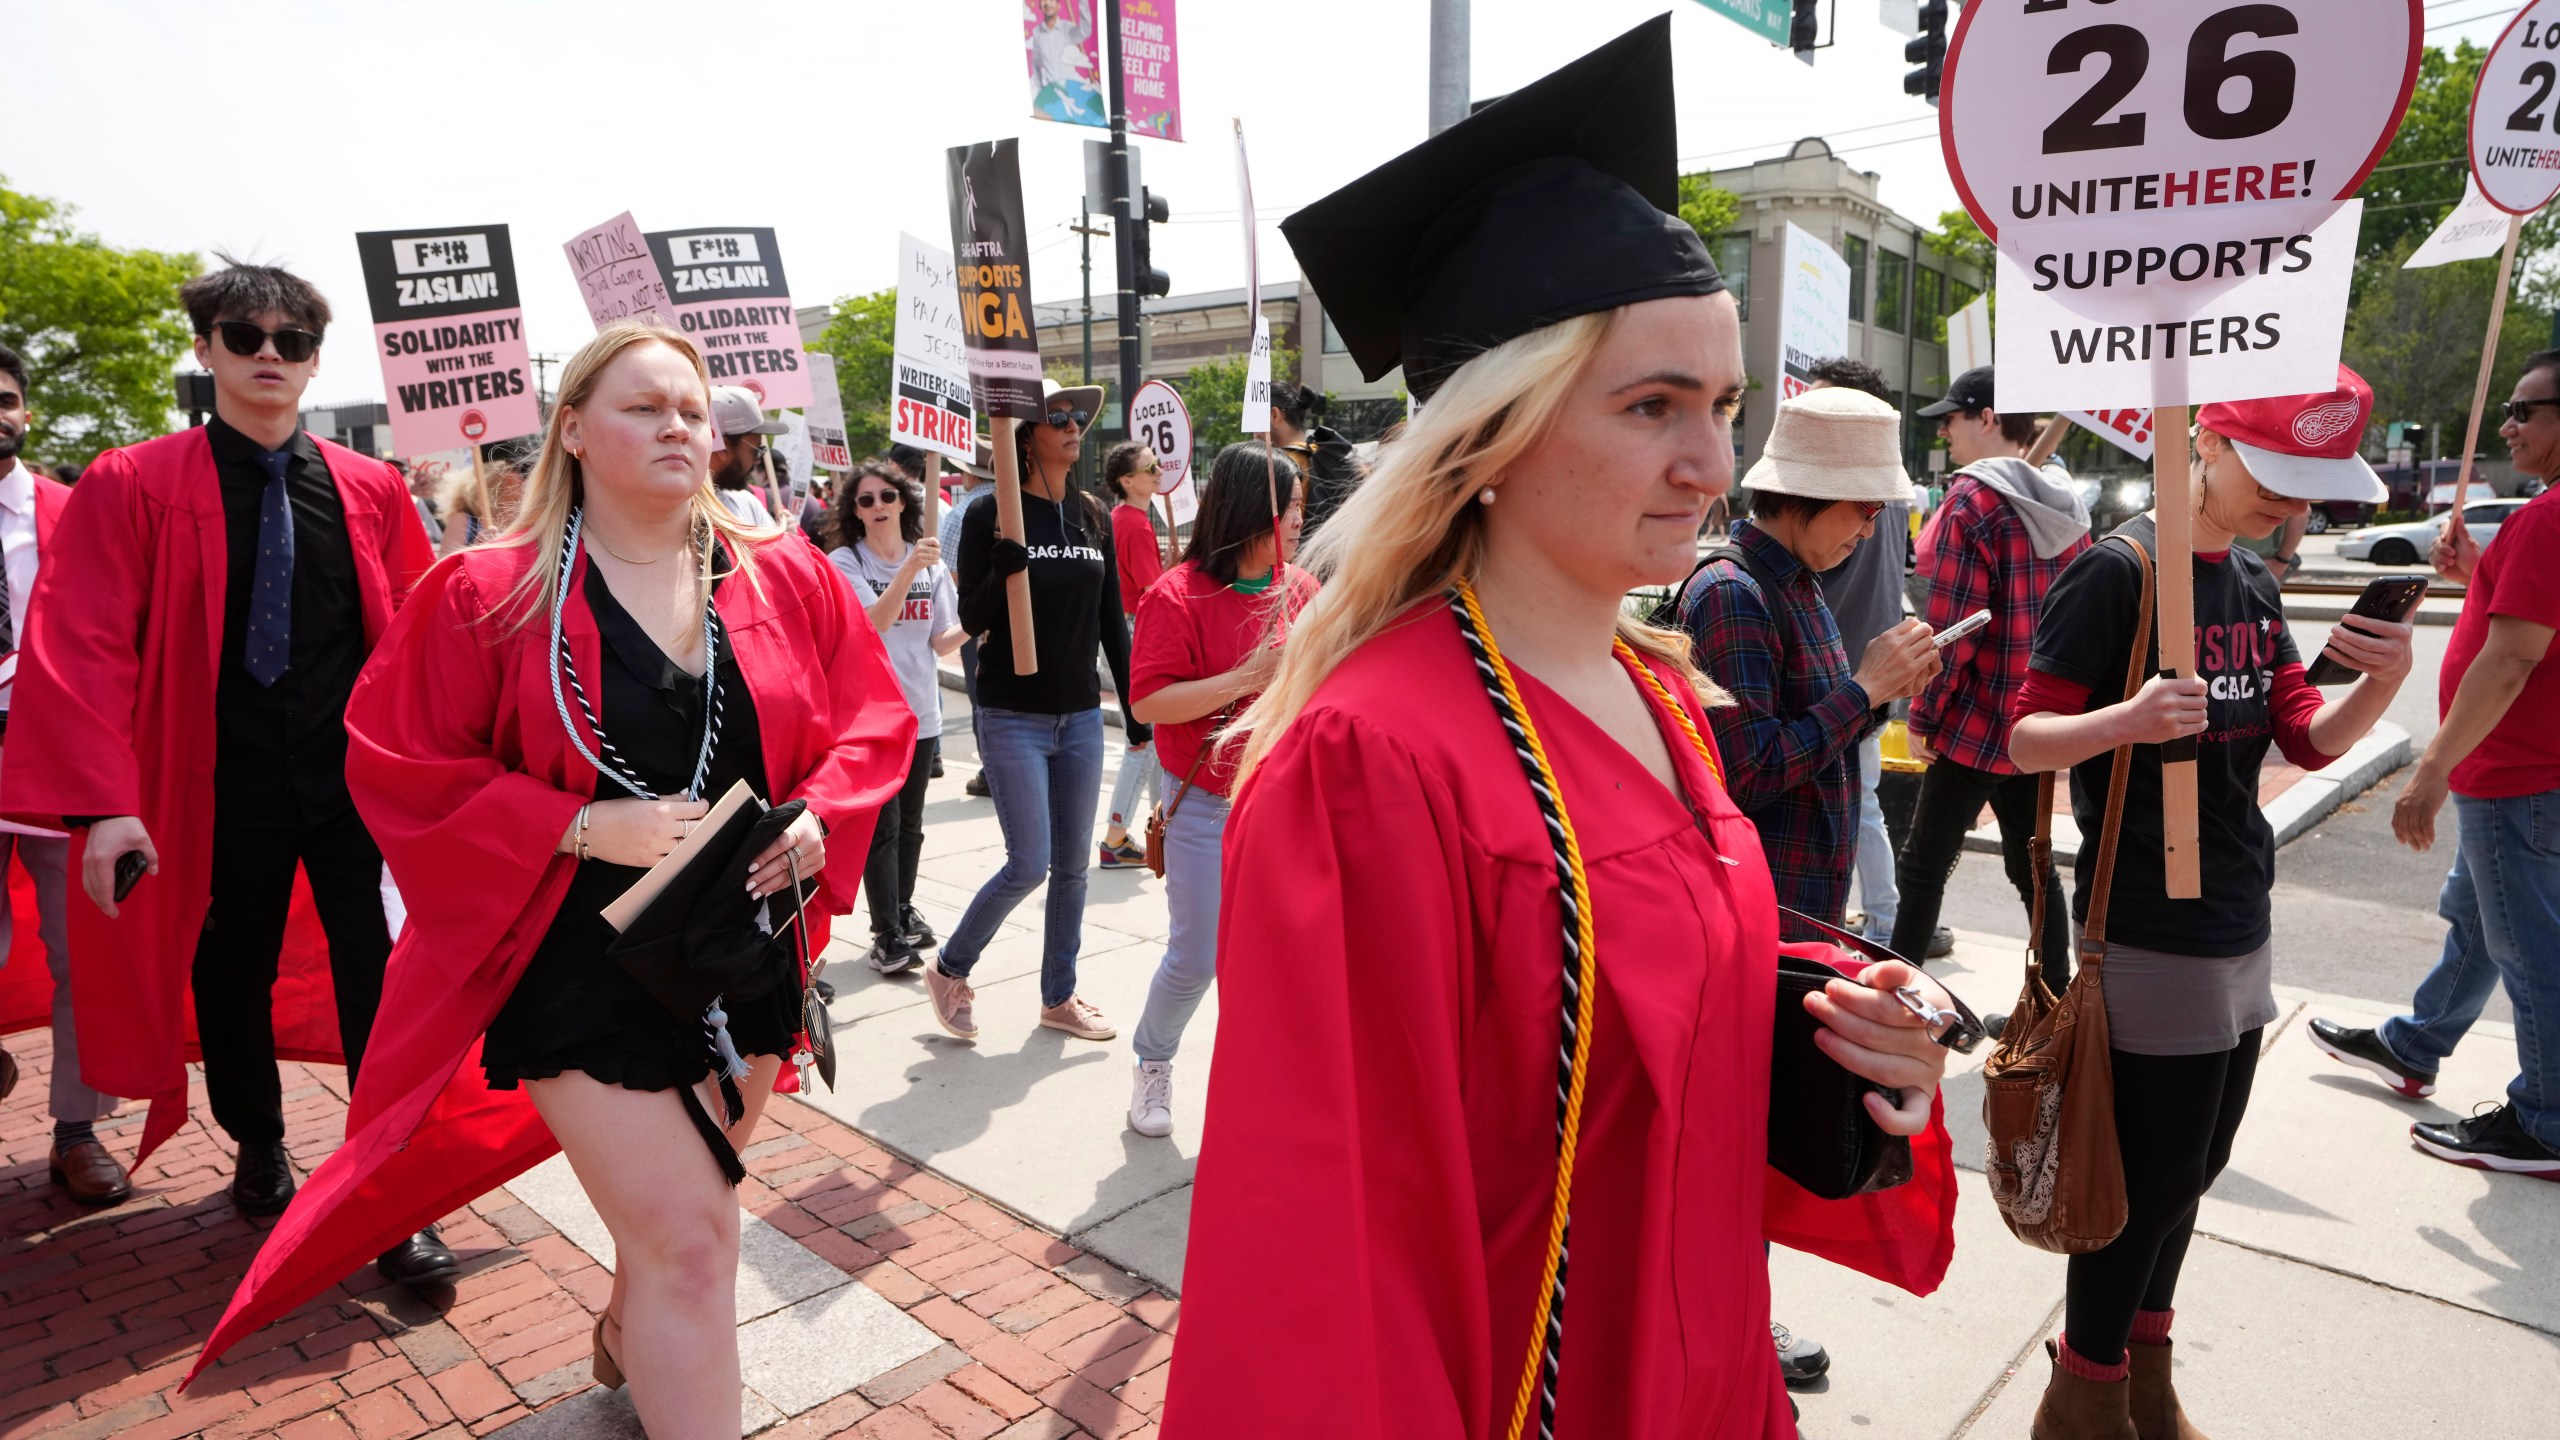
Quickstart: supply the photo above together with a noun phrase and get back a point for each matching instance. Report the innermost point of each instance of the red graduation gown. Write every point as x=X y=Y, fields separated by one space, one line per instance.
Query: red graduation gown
x=101 y=726
x=1369 y=1224
x=26 y=986
x=462 y=771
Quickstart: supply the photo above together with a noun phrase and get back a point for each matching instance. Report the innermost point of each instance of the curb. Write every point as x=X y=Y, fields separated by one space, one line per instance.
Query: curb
x=2309 y=800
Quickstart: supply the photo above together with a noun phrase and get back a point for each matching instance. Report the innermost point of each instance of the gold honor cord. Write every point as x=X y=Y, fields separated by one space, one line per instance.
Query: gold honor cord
x=1546 y=1337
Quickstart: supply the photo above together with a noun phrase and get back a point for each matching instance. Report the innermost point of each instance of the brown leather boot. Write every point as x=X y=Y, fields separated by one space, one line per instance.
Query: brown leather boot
x=2156 y=1413
x=93 y=1177
x=2079 y=1409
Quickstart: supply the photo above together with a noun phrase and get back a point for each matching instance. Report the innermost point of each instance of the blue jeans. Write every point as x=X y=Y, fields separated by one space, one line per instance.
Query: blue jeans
x=1194 y=847
x=1046 y=774
x=2501 y=907
x=1134 y=797
x=1877 y=893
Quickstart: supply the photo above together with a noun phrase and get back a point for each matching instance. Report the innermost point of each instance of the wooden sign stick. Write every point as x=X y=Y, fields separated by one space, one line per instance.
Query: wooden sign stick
x=1169 y=546
x=772 y=488
x=2173 y=508
x=1017 y=586
x=2488 y=370
x=933 y=498
x=2055 y=431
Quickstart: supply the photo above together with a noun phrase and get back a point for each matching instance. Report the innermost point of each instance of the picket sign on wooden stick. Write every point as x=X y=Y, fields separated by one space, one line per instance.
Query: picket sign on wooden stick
x=2173 y=509
x=933 y=499
x=2048 y=440
x=2488 y=371
x=1170 y=547
x=1017 y=586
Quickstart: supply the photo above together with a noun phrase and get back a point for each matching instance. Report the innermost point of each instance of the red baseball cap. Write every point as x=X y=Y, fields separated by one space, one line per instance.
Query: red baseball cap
x=2304 y=446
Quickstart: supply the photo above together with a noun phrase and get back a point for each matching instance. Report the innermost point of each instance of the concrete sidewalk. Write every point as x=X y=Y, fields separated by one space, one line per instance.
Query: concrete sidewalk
x=2341 y=1284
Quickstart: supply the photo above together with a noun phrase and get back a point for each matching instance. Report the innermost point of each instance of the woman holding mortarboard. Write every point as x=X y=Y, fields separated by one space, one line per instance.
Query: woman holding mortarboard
x=1411 y=922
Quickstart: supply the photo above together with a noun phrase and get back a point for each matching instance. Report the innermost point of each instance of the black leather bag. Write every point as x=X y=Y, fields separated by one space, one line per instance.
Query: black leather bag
x=697 y=940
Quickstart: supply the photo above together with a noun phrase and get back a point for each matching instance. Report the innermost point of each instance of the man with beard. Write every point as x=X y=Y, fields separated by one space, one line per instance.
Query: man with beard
x=738 y=467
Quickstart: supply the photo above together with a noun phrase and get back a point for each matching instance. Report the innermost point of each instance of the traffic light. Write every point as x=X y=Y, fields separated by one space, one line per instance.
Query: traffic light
x=1148 y=280
x=1803 y=32
x=1929 y=52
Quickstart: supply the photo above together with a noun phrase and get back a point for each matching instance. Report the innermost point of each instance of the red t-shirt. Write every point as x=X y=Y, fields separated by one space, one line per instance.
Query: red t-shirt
x=2519 y=575
x=1134 y=545
x=1190 y=627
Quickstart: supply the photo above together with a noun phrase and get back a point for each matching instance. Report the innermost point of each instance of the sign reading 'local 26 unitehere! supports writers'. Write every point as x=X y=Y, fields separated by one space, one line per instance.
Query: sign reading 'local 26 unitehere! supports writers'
x=2165 y=182
x=450 y=333
x=726 y=289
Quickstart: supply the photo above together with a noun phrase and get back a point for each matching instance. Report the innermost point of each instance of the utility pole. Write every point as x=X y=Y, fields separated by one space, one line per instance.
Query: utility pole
x=1087 y=229
x=1449 y=54
x=1124 y=212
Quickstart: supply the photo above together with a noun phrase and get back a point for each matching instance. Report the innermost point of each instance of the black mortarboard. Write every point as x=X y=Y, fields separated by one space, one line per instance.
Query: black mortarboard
x=1557 y=200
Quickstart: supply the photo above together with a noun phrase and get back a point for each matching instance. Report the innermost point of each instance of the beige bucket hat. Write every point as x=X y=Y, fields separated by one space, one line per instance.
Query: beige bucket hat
x=1834 y=444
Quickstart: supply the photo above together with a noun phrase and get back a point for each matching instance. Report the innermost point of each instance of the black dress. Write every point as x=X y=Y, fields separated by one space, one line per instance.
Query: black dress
x=575 y=1007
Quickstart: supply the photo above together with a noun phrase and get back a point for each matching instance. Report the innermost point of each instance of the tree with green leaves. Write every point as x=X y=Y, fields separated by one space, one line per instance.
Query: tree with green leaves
x=862 y=335
x=1213 y=391
x=100 y=328
x=2415 y=336
x=1709 y=208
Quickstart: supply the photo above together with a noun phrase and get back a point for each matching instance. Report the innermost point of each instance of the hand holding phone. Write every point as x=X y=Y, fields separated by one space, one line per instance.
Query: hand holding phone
x=2392 y=599
x=1961 y=629
x=129 y=870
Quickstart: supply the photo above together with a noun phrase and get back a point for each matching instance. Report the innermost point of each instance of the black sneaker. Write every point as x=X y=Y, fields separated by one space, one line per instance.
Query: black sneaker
x=1941 y=945
x=978 y=786
x=2491 y=1141
x=2364 y=1050
x=892 y=955
x=1800 y=1360
x=936 y=772
x=911 y=927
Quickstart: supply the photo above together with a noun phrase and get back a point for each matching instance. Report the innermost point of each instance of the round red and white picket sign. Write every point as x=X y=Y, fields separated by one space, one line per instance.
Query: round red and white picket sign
x=2083 y=108
x=2515 y=114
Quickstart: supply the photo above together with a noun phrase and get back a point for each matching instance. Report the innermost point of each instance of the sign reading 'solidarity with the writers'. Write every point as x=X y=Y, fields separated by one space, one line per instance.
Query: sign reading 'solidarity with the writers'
x=449 y=329
x=728 y=294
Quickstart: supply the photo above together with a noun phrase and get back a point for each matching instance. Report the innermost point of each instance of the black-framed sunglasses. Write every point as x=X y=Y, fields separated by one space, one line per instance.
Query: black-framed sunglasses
x=869 y=498
x=1061 y=419
x=240 y=337
x=2521 y=411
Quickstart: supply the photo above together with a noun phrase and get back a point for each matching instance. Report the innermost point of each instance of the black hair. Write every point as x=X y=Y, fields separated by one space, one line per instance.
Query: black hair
x=1120 y=460
x=1235 y=507
x=847 y=516
x=1844 y=373
x=67 y=473
x=15 y=369
x=909 y=459
x=2538 y=360
x=1778 y=505
x=1299 y=402
x=245 y=292
x=2016 y=429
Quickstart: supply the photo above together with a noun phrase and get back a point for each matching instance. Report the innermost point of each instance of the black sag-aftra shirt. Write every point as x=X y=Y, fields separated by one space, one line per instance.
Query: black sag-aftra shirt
x=280 y=751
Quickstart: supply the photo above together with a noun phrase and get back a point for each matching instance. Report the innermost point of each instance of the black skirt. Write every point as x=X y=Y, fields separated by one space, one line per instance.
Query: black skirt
x=575 y=1007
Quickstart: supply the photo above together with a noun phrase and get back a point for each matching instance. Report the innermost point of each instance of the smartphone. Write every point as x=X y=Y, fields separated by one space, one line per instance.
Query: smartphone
x=2394 y=598
x=129 y=868
x=1961 y=629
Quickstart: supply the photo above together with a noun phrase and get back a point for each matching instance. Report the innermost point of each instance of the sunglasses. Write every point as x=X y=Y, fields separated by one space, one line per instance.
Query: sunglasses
x=1869 y=508
x=869 y=498
x=1061 y=419
x=2521 y=411
x=243 y=338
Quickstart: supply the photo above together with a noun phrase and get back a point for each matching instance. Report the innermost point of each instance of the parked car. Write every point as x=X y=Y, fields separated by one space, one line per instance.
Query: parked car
x=2328 y=515
x=2408 y=544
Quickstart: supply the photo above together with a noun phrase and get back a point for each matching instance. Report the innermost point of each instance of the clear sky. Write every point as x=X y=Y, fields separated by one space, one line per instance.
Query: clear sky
x=277 y=130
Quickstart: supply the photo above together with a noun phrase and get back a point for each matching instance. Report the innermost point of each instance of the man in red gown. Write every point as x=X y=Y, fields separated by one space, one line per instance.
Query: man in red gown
x=207 y=603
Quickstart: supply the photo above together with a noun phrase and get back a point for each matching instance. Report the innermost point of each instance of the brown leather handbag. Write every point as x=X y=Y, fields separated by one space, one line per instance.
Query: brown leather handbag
x=2048 y=1091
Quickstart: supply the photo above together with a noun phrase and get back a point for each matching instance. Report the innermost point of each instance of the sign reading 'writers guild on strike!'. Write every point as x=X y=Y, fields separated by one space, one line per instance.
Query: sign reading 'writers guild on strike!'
x=449 y=329
x=726 y=289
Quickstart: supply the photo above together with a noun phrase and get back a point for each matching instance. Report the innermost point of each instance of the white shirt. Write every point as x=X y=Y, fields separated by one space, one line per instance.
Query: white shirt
x=18 y=548
x=747 y=505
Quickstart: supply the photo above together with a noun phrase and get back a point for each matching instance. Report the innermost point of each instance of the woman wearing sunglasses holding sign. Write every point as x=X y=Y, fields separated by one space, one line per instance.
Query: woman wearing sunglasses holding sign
x=1040 y=735
x=1478 y=813
x=545 y=721
x=2188 y=983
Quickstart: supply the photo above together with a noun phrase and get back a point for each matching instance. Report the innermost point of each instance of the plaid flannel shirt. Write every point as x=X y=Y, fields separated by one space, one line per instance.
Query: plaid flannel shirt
x=1789 y=741
x=1975 y=555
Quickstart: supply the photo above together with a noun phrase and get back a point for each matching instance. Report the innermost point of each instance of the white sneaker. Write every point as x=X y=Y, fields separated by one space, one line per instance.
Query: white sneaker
x=1151 y=1099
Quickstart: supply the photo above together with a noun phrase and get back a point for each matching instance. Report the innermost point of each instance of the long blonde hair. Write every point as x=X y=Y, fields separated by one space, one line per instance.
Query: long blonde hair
x=556 y=480
x=1413 y=529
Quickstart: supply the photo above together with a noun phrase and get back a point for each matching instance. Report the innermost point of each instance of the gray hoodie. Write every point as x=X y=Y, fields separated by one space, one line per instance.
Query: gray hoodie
x=2053 y=512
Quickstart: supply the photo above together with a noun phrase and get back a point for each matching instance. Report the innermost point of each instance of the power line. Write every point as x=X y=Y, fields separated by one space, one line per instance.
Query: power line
x=2469 y=19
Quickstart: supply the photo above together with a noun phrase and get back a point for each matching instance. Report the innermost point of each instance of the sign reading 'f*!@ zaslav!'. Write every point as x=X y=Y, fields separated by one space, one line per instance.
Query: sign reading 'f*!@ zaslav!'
x=727 y=292
x=449 y=330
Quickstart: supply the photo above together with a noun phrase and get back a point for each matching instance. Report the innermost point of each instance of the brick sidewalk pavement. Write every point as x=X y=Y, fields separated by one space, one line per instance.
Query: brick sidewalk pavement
x=101 y=1311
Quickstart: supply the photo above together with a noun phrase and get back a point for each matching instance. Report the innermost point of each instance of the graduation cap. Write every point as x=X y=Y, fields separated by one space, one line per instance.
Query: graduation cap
x=1556 y=200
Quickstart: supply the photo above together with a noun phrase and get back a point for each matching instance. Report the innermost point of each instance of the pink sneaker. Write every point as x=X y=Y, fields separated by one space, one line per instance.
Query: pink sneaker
x=953 y=1001
x=1078 y=1019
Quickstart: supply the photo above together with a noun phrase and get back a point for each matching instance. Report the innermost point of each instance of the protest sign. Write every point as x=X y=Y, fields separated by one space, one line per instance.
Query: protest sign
x=617 y=276
x=2127 y=430
x=792 y=453
x=1158 y=416
x=449 y=329
x=993 y=278
x=727 y=293
x=2231 y=304
x=2515 y=122
x=1813 y=308
x=2053 y=110
x=2473 y=230
x=929 y=361
x=828 y=447
x=1969 y=337
x=1257 y=373
x=1062 y=46
x=1150 y=87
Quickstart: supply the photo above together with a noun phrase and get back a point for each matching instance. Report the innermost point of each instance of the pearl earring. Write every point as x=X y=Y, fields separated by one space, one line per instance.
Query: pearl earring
x=1485 y=496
